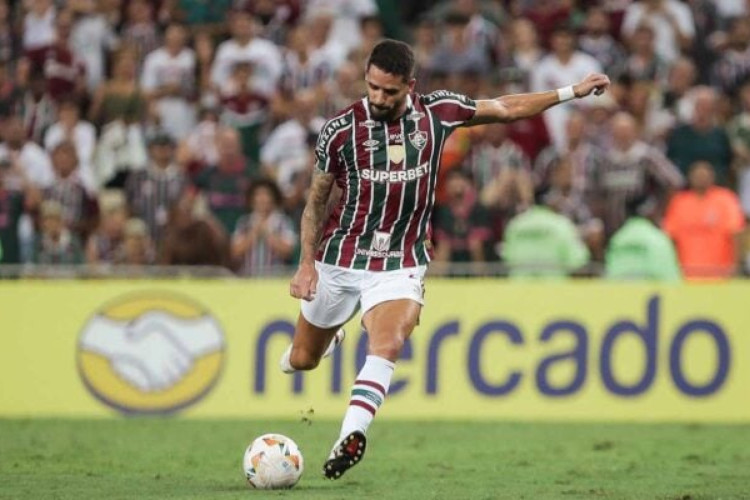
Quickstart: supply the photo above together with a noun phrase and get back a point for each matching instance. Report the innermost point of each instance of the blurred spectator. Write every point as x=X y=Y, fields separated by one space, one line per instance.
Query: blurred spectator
x=462 y=231
x=69 y=127
x=8 y=39
x=582 y=156
x=210 y=16
x=653 y=120
x=644 y=63
x=455 y=151
x=547 y=16
x=531 y=135
x=524 y=53
x=121 y=150
x=319 y=25
x=542 y=243
x=347 y=86
x=680 y=79
x=168 y=80
x=306 y=66
x=188 y=224
x=563 y=197
x=39 y=24
x=225 y=184
x=152 y=192
x=705 y=223
x=501 y=171
x=56 y=244
x=38 y=109
x=729 y=9
x=457 y=53
x=11 y=93
x=244 y=47
x=199 y=149
x=204 y=54
x=425 y=45
x=564 y=65
x=119 y=98
x=284 y=155
x=739 y=136
x=599 y=111
x=707 y=25
x=597 y=42
x=63 y=71
x=112 y=11
x=733 y=67
x=483 y=28
x=345 y=30
x=137 y=247
x=105 y=243
x=13 y=203
x=244 y=108
x=91 y=39
x=371 y=28
x=639 y=250
x=274 y=16
x=483 y=21
x=140 y=32
x=77 y=208
x=24 y=156
x=632 y=169
x=702 y=138
x=671 y=21
x=265 y=238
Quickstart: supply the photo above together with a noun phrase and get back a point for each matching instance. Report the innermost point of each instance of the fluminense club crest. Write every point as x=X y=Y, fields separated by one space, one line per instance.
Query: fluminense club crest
x=418 y=139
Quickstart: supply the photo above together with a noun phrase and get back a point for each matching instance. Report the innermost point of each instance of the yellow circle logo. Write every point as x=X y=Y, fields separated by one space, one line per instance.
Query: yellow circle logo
x=151 y=352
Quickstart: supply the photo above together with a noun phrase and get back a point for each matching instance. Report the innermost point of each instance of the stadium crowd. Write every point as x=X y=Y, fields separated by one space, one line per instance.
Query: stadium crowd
x=180 y=132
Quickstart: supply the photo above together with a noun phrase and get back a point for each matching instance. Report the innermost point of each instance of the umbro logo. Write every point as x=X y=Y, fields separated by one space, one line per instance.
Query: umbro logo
x=371 y=144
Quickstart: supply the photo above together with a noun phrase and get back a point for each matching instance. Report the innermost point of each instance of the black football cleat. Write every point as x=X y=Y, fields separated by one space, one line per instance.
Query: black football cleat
x=345 y=455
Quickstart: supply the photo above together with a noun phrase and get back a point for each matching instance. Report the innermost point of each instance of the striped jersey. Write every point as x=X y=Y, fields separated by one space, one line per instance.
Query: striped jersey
x=387 y=171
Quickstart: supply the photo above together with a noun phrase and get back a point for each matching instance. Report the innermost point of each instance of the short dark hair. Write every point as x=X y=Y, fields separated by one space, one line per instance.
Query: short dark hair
x=456 y=18
x=393 y=57
x=265 y=183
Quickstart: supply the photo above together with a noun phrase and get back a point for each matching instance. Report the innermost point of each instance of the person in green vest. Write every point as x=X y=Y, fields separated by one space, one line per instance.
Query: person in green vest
x=639 y=250
x=542 y=243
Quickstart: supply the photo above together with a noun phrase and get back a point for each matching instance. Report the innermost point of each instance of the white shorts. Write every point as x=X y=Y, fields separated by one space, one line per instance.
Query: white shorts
x=341 y=292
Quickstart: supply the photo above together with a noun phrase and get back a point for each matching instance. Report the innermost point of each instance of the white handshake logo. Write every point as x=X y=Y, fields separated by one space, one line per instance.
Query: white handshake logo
x=154 y=351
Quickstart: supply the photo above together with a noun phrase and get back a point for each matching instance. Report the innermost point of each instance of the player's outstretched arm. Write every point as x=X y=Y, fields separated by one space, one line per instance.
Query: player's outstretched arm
x=514 y=107
x=306 y=278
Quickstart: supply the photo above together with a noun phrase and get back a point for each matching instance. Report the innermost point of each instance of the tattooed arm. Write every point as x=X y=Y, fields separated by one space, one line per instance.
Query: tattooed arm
x=305 y=279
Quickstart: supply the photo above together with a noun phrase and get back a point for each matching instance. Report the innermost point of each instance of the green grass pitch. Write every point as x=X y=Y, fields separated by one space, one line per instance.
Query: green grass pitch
x=164 y=458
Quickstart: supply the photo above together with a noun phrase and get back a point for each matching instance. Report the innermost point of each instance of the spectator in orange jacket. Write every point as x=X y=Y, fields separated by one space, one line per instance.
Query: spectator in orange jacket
x=705 y=223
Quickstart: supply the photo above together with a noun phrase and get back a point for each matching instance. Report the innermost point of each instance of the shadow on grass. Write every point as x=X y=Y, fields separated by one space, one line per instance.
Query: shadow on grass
x=297 y=490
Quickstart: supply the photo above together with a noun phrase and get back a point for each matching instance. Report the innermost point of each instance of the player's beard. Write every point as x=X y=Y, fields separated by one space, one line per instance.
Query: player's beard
x=381 y=114
x=384 y=114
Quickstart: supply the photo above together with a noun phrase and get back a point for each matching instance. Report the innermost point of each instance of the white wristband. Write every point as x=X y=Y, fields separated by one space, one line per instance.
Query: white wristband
x=566 y=93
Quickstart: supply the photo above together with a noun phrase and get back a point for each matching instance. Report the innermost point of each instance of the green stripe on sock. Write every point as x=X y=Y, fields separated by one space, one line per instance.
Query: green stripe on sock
x=369 y=395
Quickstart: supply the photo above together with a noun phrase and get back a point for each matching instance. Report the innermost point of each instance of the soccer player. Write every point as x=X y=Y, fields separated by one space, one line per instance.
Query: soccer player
x=372 y=251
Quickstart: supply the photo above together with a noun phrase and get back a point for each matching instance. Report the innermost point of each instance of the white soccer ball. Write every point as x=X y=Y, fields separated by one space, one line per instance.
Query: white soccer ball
x=273 y=461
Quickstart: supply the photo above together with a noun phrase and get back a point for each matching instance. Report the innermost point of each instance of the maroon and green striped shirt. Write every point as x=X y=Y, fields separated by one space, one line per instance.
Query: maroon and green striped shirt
x=387 y=171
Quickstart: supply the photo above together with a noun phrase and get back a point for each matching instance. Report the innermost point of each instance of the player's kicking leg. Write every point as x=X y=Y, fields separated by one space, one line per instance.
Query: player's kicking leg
x=388 y=325
x=310 y=344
